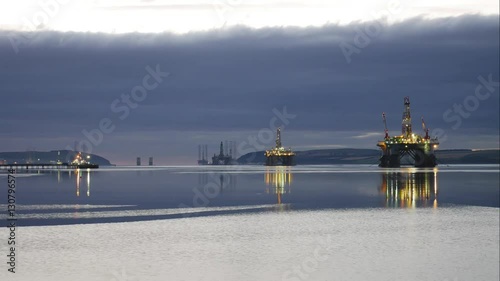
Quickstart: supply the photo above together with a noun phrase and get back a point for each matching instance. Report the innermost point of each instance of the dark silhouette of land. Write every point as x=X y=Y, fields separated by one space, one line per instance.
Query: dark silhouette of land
x=371 y=156
x=48 y=157
x=311 y=157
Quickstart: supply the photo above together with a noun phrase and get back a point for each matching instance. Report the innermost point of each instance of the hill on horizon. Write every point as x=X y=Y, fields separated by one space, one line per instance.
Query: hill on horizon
x=48 y=157
x=371 y=156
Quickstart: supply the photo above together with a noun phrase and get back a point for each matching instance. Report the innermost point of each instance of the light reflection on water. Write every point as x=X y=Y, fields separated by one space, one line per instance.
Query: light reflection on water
x=262 y=222
x=287 y=188
x=410 y=189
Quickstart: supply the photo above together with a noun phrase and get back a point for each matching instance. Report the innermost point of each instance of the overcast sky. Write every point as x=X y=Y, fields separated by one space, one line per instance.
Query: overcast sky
x=232 y=64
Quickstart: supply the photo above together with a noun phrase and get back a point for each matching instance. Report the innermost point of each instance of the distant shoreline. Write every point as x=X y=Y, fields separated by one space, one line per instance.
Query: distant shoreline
x=371 y=156
x=345 y=156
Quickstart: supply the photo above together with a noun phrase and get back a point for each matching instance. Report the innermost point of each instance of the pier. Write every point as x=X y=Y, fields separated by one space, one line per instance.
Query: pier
x=52 y=166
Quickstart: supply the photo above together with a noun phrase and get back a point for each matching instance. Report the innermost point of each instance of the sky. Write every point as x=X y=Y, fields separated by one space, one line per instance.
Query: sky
x=127 y=79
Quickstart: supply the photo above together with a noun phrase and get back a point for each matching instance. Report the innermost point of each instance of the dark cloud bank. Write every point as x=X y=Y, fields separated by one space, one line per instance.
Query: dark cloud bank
x=225 y=81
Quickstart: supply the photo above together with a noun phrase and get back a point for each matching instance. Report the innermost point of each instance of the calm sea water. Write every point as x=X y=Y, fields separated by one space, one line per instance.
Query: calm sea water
x=257 y=223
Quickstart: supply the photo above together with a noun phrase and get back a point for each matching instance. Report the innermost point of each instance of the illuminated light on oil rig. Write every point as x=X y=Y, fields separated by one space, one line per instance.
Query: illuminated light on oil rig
x=419 y=149
x=82 y=162
x=280 y=156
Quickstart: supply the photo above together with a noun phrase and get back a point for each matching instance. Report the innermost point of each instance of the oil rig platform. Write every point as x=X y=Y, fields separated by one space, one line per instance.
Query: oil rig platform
x=202 y=155
x=224 y=158
x=419 y=149
x=280 y=156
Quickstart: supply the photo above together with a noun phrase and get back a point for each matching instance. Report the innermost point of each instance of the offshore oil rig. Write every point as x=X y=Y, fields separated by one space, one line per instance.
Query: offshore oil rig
x=280 y=156
x=224 y=158
x=202 y=154
x=420 y=149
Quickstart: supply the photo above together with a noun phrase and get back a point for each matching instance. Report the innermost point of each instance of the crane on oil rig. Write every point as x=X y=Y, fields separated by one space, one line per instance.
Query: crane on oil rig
x=426 y=130
x=385 y=125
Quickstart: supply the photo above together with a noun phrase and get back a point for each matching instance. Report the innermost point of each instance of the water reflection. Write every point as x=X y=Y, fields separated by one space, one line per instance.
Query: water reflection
x=79 y=175
x=278 y=179
x=225 y=181
x=410 y=189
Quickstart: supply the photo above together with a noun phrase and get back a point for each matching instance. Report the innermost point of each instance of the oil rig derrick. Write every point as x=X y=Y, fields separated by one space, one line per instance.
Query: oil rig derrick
x=280 y=156
x=419 y=149
x=202 y=154
x=223 y=158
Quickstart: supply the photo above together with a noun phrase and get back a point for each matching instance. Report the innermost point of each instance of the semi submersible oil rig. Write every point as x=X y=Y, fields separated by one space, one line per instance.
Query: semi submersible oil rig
x=223 y=159
x=226 y=156
x=420 y=149
x=280 y=156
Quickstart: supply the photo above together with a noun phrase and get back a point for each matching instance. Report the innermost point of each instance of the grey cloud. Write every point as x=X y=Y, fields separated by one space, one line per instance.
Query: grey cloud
x=231 y=79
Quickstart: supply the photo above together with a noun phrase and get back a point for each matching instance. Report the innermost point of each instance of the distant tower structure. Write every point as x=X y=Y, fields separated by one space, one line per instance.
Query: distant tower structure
x=138 y=161
x=206 y=153
x=231 y=150
x=202 y=154
x=150 y=161
x=234 y=155
x=278 y=138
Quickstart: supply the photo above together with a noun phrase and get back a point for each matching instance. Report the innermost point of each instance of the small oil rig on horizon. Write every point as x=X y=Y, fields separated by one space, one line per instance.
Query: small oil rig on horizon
x=280 y=156
x=226 y=156
x=420 y=149
x=223 y=158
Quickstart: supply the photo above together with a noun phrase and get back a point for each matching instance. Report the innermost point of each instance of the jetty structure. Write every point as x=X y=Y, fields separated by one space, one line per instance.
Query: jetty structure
x=79 y=162
x=280 y=156
x=419 y=148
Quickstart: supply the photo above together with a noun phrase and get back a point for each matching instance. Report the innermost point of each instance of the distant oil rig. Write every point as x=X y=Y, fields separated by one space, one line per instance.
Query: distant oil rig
x=226 y=154
x=407 y=148
x=202 y=154
x=420 y=149
x=280 y=156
